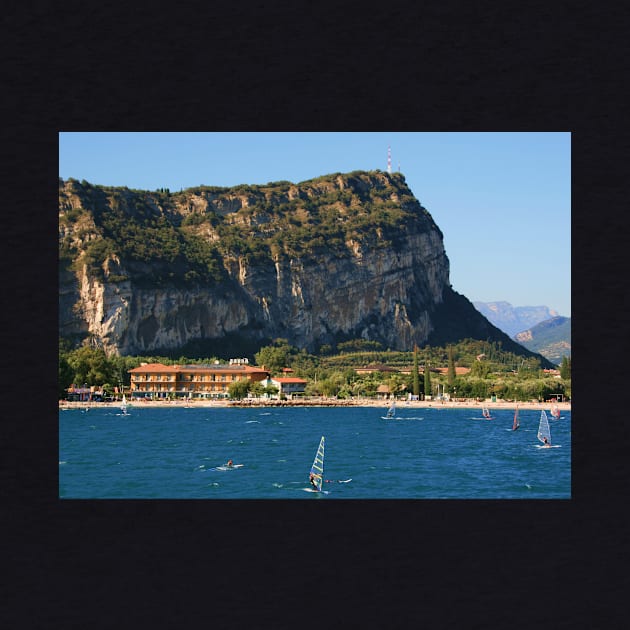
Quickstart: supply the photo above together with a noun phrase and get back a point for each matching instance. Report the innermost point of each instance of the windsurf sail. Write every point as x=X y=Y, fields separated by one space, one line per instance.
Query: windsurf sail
x=486 y=412
x=316 y=474
x=555 y=412
x=391 y=412
x=515 y=423
x=543 y=428
x=123 y=404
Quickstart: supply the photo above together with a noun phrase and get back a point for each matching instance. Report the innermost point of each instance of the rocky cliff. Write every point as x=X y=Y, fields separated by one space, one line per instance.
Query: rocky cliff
x=339 y=257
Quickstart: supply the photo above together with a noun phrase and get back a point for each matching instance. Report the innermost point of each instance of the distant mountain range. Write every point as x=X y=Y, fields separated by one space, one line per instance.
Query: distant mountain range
x=537 y=328
x=514 y=319
x=551 y=338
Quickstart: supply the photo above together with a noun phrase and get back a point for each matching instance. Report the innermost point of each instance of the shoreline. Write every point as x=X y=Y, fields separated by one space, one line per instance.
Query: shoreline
x=321 y=402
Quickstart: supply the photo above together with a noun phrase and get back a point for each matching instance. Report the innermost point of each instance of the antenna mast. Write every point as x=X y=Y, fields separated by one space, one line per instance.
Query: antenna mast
x=389 y=160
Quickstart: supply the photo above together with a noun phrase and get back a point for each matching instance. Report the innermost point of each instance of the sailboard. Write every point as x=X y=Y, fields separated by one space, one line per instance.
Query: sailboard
x=555 y=412
x=515 y=423
x=226 y=467
x=391 y=413
x=316 y=473
x=543 y=429
x=123 y=405
x=486 y=413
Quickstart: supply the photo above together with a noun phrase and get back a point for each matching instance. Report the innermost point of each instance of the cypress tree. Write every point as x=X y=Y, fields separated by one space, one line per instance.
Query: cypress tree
x=451 y=369
x=416 y=377
x=427 y=380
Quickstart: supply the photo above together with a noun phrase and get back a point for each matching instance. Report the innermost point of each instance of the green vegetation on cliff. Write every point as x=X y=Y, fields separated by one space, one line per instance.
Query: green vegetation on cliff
x=184 y=237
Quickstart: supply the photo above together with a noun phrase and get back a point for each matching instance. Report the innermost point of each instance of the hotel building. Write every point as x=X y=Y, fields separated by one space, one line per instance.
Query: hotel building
x=155 y=380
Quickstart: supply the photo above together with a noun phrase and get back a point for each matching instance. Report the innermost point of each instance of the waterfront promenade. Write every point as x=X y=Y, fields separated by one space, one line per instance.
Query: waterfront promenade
x=321 y=402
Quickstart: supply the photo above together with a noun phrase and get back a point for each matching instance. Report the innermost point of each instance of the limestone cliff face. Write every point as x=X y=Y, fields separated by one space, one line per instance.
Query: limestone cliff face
x=370 y=264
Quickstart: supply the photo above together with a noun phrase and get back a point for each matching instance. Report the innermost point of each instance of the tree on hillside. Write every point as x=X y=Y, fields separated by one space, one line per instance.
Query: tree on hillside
x=565 y=368
x=66 y=374
x=479 y=369
x=91 y=366
x=276 y=356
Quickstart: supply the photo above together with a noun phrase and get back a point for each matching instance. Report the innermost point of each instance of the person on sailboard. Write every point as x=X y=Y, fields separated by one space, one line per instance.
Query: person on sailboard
x=546 y=443
x=230 y=463
x=313 y=480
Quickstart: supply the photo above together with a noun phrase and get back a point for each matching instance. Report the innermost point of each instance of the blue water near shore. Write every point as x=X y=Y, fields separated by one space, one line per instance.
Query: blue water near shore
x=432 y=453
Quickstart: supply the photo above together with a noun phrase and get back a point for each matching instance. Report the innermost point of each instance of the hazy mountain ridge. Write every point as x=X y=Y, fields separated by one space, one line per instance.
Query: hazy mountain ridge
x=551 y=338
x=339 y=257
x=514 y=319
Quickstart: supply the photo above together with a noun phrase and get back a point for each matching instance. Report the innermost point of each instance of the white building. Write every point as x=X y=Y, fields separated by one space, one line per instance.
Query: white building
x=286 y=385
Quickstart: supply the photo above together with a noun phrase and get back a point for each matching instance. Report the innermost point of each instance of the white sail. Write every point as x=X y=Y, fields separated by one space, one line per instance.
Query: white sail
x=317 y=469
x=123 y=405
x=391 y=412
x=543 y=428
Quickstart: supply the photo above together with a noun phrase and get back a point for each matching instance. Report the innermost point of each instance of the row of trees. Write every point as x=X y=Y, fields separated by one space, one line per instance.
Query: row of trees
x=326 y=376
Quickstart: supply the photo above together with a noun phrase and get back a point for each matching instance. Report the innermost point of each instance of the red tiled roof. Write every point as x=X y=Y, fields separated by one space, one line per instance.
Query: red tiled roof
x=171 y=369
x=154 y=367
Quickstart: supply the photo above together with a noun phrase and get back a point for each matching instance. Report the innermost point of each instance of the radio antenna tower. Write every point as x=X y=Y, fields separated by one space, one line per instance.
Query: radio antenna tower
x=389 y=160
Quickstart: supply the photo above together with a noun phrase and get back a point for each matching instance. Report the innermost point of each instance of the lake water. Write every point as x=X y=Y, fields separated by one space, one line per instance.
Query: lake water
x=432 y=453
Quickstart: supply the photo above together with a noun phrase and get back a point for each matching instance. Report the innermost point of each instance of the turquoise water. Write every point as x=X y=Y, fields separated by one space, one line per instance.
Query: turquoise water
x=434 y=453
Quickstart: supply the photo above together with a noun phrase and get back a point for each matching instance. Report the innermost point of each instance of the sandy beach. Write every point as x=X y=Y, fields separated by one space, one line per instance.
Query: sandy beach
x=322 y=402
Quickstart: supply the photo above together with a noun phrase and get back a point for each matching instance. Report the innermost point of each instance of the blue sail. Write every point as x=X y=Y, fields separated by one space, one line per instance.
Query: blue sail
x=317 y=469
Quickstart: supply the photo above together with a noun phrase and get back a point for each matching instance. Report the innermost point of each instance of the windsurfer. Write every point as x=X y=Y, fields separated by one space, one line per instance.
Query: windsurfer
x=546 y=443
x=312 y=480
x=230 y=463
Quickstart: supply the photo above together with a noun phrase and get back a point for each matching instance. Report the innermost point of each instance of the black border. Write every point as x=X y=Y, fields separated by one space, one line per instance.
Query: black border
x=452 y=67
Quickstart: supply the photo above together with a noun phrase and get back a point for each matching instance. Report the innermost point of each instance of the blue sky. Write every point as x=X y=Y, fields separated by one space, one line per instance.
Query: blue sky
x=502 y=200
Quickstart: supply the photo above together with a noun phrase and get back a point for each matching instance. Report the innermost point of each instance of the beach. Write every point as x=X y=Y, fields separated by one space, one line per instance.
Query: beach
x=322 y=402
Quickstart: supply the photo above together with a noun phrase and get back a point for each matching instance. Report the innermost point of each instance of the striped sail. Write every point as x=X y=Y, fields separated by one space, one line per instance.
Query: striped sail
x=317 y=469
x=543 y=428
